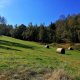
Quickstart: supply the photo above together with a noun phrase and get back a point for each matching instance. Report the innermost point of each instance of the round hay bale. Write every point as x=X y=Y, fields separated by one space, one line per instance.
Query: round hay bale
x=60 y=50
x=70 y=48
x=46 y=46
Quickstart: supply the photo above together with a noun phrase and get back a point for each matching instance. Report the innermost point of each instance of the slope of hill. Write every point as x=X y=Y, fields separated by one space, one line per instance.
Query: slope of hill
x=17 y=55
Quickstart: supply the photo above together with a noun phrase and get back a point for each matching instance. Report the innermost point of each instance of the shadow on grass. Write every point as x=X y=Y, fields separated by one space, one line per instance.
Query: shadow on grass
x=68 y=54
x=8 y=48
x=9 y=43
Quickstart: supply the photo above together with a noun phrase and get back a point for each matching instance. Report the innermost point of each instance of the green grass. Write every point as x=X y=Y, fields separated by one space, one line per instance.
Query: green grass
x=15 y=54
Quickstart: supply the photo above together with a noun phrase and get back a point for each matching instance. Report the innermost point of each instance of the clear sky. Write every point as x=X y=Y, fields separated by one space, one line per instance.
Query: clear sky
x=37 y=11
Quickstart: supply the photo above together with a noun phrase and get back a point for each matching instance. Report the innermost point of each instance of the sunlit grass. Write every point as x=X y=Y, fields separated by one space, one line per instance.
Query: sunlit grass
x=15 y=53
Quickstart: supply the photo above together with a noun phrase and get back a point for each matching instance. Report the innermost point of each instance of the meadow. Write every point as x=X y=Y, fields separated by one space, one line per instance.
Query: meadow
x=18 y=55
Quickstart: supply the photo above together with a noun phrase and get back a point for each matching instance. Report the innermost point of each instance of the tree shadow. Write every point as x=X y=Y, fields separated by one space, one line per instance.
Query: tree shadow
x=9 y=43
x=8 y=48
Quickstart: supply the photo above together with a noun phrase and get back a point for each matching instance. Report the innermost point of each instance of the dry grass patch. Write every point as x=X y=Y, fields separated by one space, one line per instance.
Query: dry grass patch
x=58 y=75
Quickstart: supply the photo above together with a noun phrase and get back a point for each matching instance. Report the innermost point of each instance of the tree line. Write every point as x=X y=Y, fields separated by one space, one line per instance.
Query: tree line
x=64 y=30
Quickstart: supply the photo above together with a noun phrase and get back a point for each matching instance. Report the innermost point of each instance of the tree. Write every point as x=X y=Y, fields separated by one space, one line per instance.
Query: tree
x=60 y=30
x=18 y=31
x=2 y=20
x=71 y=21
x=43 y=36
x=31 y=33
x=52 y=32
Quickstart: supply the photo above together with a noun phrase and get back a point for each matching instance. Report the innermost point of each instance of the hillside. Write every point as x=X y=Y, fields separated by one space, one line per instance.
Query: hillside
x=17 y=55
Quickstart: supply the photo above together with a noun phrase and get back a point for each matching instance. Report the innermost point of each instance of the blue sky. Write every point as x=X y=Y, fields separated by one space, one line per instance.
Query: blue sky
x=37 y=11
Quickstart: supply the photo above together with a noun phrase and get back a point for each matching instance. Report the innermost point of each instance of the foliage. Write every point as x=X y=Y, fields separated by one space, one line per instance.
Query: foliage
x=64 y=30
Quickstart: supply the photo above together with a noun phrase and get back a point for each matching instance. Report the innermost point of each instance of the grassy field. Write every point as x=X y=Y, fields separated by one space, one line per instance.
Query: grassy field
x=18 y=55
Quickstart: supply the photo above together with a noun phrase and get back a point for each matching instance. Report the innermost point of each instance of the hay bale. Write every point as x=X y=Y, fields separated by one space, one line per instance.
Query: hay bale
x=70 y=48
x=60 y=50
x=46 y=46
